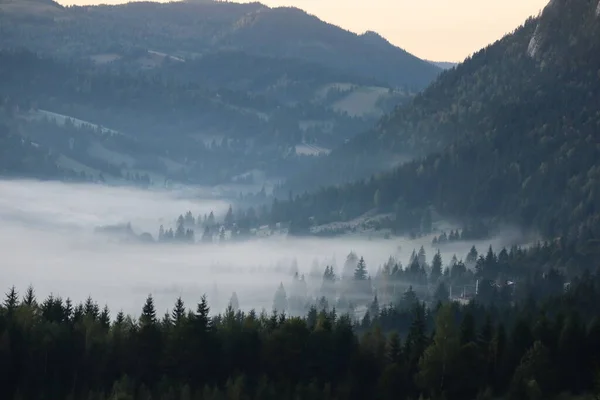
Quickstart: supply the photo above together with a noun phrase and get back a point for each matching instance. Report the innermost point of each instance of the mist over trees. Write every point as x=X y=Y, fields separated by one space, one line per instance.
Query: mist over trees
x=207 y=94
x=540 y=345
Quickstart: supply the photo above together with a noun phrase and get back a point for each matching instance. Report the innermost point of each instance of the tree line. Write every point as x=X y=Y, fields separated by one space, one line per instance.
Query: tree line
x=535 y=347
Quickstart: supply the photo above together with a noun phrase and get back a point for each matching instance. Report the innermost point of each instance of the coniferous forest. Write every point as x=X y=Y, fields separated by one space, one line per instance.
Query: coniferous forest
x=206 y=93
x=541 y=344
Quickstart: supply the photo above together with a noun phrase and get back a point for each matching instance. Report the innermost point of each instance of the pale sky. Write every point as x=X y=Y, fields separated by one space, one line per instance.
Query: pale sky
x=438 y=30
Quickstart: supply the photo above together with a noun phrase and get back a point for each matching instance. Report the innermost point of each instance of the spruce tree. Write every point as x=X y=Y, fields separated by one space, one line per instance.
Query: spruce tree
x=178 y=312
x=472 y=256
x=360 y=273
x=441 y=356
x=161 y=234
x=148 y=316
x=180 y=231
x=394 y=348
x=12 y=300
x=120 y=319
x=436 y=268
x=422 y=257
x=104 y=318
x=280 y=303
x=29 y=298
x=229 y=217
x=374 y=308
x=202 y=316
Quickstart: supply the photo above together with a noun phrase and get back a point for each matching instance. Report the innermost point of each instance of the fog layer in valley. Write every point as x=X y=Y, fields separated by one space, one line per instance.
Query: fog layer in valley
x=47 y=240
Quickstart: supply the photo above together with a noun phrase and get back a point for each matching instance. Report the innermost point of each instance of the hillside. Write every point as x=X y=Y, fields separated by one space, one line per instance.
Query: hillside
x=189 y=29
x=218 y=89
x=511 y=134
x=207 y=126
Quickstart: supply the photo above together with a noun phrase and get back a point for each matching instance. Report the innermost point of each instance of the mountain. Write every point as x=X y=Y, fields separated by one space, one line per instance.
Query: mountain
x=186 y=30
x=443 y=64
x=509 y=135
x=216 y=89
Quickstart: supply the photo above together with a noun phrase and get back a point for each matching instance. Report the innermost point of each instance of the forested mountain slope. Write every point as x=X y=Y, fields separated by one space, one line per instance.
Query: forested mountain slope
x=218 y=89
x=208 y=126
x=461 y=103
x=185 y=30
x=513 y=134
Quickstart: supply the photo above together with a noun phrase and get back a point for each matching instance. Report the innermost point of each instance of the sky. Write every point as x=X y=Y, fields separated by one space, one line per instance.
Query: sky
x=437 y=30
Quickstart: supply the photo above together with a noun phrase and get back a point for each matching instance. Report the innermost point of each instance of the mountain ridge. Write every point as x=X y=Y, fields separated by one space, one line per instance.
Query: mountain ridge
x=504 y=135
x=190 y=29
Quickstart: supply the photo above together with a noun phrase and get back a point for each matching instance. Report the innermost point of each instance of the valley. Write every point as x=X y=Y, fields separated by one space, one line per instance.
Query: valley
x=213 y=200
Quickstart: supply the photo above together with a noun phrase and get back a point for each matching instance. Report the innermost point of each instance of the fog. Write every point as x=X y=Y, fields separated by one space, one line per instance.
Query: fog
x=47 y=240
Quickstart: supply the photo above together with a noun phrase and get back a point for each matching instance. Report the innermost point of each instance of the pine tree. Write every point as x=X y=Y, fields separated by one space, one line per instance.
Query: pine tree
x=120 y=319
x=360 y=273
x=180 y=231
x=207 y=235
x=395 y=348
x=104 y=318
x=178 y=312
x=190 y=236
x=12 y=300
x=91 y=309
x=166 y=322
x=422 y=257
x=202 y=316
x=349 y=265
x=161 y=234
x=280 y=303
x=374 y=308
x=148 y=316
x=436 y=267
x=29 y=298
x=471 y=257
x=407 y=300
x=190 y=221
x=229 y=217
x=416 y=340
x=68 y=310
x=468 y=332
x=440 y=357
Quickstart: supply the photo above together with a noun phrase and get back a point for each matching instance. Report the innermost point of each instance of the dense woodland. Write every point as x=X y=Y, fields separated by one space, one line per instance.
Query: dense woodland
x=532 y=347
x=511 y=135
x=216 y=133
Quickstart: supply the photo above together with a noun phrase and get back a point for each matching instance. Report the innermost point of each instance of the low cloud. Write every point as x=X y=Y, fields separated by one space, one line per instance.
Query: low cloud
x=47 y=240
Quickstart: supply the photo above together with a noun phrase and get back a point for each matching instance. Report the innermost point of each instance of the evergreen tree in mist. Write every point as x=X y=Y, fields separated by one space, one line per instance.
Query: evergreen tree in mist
x=280 y=301
x=234 y=303
x=436 y=268
x=540 y=344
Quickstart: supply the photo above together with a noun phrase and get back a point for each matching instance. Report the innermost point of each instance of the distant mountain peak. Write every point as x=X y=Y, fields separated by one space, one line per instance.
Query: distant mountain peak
x=443 y=64
x=373 y=34
x=47 y=2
